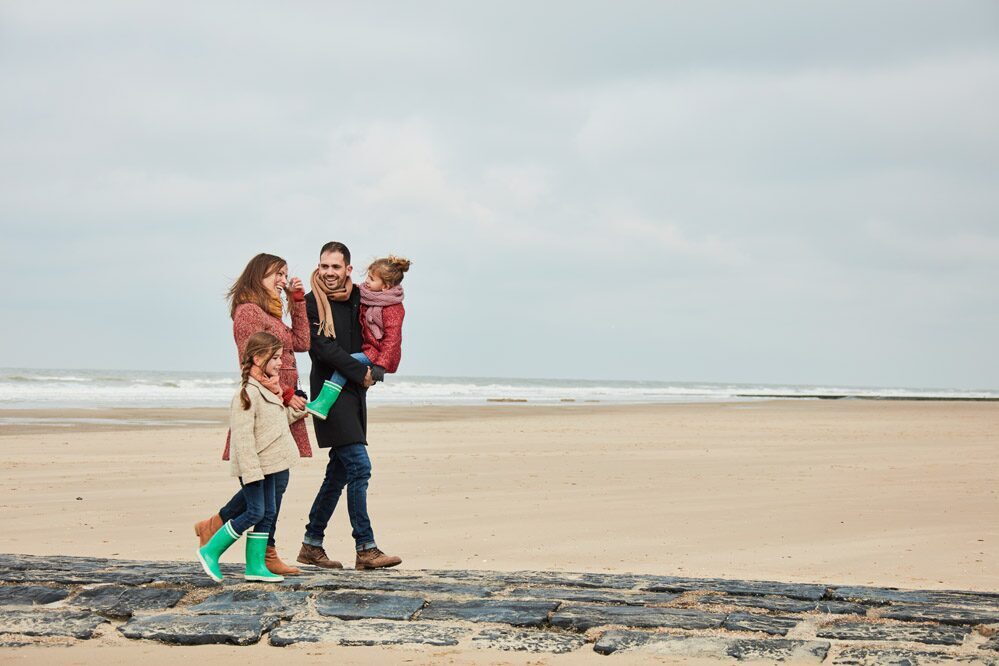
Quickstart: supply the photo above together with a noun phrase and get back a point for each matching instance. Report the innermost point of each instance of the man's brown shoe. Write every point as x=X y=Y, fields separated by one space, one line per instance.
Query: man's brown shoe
x=276 y=566
x=206 y=529
x=373 y=558
x=316 y=556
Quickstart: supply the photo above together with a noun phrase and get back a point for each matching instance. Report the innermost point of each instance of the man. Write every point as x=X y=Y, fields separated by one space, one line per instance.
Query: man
x=333 y=308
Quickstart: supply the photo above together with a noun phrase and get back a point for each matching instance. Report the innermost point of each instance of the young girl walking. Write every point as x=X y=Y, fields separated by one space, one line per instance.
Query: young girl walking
x=381 y=327
x=262 y=449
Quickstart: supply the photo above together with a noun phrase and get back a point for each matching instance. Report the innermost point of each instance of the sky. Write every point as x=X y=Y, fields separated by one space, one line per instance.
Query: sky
x=759 y=192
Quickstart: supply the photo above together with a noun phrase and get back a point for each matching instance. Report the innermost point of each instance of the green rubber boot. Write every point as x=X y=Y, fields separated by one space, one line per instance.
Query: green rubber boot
x=256 y=568
x=210 y=553
x=323 y=403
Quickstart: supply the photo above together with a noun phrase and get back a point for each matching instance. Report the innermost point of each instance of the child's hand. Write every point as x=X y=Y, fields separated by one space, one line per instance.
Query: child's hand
x=297 y=403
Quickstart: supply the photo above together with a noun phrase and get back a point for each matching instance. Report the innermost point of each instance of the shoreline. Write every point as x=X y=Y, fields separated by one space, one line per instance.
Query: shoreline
x=16 y=421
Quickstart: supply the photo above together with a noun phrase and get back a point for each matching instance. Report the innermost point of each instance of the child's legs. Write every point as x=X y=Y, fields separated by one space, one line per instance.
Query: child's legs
x=233 y=507
x=338 y=379
x=253 y=494
x=280 y=485
x=266 y=524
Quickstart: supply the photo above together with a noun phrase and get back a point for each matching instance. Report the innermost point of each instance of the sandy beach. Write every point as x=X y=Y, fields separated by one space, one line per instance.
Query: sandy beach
x=899 y=494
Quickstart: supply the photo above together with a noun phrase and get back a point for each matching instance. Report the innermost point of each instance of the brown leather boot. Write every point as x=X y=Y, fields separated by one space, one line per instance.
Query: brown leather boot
x=206 y=529
x=276 y=566
x=316 y=556
x=373 y=558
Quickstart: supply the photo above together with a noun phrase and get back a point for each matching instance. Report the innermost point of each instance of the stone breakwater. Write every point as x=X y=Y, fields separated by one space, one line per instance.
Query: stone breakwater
x=62 y=600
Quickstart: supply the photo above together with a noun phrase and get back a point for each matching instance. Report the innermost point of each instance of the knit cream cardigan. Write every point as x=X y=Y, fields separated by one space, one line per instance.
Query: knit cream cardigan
x=261 y=441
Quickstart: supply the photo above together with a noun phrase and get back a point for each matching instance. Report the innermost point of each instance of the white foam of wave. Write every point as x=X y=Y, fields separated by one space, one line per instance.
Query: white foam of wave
x=166 y=389
x=46 y=378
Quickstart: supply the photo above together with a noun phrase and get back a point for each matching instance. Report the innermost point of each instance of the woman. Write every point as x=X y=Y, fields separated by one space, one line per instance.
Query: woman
x=255 y=306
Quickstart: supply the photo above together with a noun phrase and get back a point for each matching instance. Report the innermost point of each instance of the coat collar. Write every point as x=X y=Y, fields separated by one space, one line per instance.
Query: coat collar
x=266 y=392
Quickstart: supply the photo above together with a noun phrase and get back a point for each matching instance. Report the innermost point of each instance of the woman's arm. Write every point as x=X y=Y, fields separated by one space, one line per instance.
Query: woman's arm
x=300 y=338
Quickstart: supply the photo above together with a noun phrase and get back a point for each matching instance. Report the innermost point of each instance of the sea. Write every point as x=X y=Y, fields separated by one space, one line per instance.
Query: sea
x=26 y=388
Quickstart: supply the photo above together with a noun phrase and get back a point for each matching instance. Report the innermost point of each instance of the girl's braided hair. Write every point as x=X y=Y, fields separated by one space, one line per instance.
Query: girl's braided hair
x=260 y=344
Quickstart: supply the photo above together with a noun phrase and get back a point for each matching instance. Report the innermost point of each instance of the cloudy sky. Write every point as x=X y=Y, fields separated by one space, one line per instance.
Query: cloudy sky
x=781 y=192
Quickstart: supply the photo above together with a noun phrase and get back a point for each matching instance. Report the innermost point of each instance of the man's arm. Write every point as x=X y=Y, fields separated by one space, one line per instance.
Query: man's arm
x=329 y=351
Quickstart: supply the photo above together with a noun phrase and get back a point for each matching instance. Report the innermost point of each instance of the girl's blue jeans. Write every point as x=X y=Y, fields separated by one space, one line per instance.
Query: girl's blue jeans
x=339 y=379
x=238 y=505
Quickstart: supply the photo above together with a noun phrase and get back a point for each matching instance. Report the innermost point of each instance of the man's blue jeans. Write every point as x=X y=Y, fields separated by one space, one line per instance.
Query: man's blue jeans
x=348 y=466
x=237 y=504
x=260 y=506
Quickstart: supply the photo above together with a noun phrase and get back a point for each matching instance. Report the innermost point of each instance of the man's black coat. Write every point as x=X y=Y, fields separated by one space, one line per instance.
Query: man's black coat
x=347 y=422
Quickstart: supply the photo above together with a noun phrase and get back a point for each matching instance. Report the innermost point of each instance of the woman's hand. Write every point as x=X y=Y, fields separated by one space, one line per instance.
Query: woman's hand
x=294 y=284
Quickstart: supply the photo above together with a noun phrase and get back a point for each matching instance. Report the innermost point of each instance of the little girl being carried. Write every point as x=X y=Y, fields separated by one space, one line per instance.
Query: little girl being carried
x=381 y=327
x=262 y=448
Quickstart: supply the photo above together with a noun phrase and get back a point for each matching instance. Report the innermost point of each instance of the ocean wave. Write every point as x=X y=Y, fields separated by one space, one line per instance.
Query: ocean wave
x=45 y=378
x=102 y=388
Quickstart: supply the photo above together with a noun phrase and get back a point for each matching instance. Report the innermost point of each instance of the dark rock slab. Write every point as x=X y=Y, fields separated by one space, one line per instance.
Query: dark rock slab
x=868 y=656
x=77 y=624
x=53 y=562
x=546 y=578
x=366 y=632
x=74 y=577
x=192 y=579
x=581 y=618
x=368 y=605
x=30 y=595
x=517 y=613
x=777 y=626
x=528 y=641
x=785 y=605
x=890 y=595
x=283 y=604
x=942 y=614
x=709 y=647
x=592 y=595
x=354 y=580
x=808 y=592
x=920 y=633
x=120 y=602
x=179 y=629
x=778 y=650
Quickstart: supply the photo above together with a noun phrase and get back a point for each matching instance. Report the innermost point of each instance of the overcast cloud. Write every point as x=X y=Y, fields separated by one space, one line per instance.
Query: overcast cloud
x=778 y=192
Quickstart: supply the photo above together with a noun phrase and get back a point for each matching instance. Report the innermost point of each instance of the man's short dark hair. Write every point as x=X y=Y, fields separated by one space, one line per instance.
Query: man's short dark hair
x=336 y=246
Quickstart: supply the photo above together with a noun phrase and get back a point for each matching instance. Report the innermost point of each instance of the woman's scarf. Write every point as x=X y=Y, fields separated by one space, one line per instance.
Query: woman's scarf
x=274 y=305
x=273 y=384
x=323 y=297
x=376 y=300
